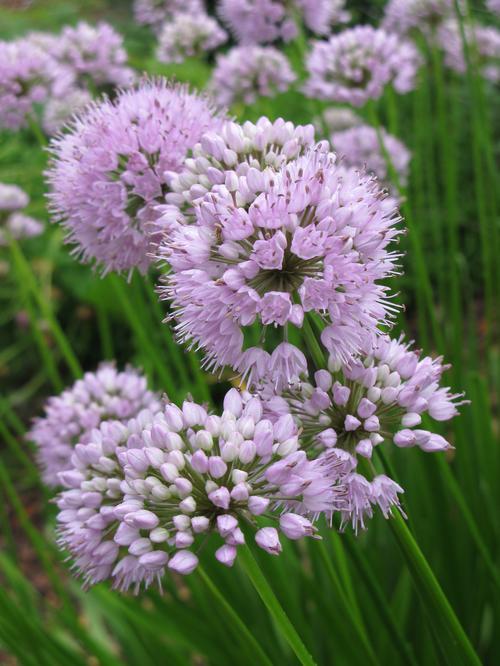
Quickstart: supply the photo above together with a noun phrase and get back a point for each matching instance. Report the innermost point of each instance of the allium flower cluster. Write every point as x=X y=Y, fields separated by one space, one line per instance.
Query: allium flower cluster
x=143 y=496
x=24 y=82
x=493 y=6
x=484 y=48
x=107 y=172
x=188 y=35
x=104 y=395
x=92 y=54
x=239 y=148
x=269 y=247
x=246 y=73
x=58 y=111
x=379 y=396
x=265 y=21
x=405 y=16
x=154 y=13
x=19 y=227
x=337 y=118
x=360 y=147
x=12 y=198
x=14 y=223
x=356 y=65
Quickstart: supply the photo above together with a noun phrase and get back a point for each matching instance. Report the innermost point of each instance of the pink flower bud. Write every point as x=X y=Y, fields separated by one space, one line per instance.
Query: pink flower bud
x=226 y=555
x=295 y=527
x=226 y=524
x=183 y=562
x=257 y=505
x=220 y=497
x=267 y=538
x=351 y=423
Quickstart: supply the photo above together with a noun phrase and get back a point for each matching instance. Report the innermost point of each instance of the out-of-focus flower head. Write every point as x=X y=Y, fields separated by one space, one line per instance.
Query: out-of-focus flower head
x=142 y=496
x=269 y=247
x=107 y=171
x=58 y=111
x=104 y=395
x=361 y=147
x=337 y=119
x=233 y=147
x=246 y=73
x=12 y=198
x=265 y=21
x=493 y=6
x=406 y=16
x=92 y=55
x=154 y=13
x=188 y=35
x=356 y=65
x=483 y=44
x=19 y=227
x=25 y=74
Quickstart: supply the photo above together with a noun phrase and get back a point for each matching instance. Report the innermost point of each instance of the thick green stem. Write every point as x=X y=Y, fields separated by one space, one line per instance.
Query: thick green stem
x=274 y=607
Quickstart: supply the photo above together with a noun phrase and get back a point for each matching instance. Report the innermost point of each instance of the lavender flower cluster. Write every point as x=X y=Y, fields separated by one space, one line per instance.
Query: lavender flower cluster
x=13 y=222
x=265 y=21
x=276 y=251
x=108 y=173
x=356 y=65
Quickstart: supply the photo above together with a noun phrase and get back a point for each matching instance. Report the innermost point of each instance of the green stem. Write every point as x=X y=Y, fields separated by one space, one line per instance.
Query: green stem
x=449 y=632
x=257 y=578
x=260 y=655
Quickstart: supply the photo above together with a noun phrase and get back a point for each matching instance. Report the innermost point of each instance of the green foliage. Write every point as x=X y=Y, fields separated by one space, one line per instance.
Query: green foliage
x=344 y=600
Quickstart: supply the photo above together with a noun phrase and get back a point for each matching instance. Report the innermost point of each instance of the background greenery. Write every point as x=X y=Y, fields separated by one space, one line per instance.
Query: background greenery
x=352 y=600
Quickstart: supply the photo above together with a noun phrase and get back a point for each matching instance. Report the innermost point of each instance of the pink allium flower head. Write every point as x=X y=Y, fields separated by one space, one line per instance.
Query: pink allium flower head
x=107 y=172
x=484 y=48
x=240 y=148
x=337 y=119
x=493 y=6
x=92 y=54
x=188 y=35
x=154 y=13
x=69 y=418
x=58 y=111
x=385 y=391
x=138 y=498
x=271 y=246
x=265 y=21
x=355 y=65
x=247 y=72
x=360 y=147
x=19 y=226
x=405 y=16
x=24 y=81
x=12 y=198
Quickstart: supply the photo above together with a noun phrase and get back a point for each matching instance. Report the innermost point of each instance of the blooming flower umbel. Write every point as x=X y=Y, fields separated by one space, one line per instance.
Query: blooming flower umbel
x=406 y=16
x=14 y=223
x=154 y=13
x=12 y=198
x=247 y=72
x=356 y=65
x=269 y=247
x=24 y=82
x=92 y=54
x=104 y=395
x=143 y=496
x=237 y=148
x=265 y=21
x=379 y=396
x=360 y=147
x=107 y=172
x=483 y=44
x=188 y=35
